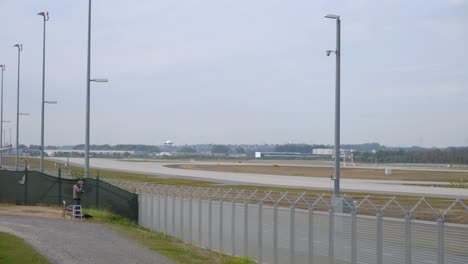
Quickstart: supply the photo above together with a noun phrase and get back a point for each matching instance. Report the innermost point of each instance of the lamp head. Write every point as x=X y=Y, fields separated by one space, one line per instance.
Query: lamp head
x=2 y=67
x=45 y=15
x=19 y=46
x=328 y=52
x=331 y=16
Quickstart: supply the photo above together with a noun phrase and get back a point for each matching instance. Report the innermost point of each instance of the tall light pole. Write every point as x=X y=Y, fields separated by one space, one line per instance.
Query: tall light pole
x=88 y=94
x=45 y=15
x=2 y=68
x=337 y=102
x=20 y=48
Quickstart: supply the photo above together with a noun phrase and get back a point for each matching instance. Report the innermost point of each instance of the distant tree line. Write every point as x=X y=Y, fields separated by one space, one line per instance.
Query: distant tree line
x=123 y=147
x=415 y=155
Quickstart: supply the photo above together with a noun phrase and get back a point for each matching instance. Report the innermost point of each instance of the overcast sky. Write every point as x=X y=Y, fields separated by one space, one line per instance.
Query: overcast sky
x=247 y=71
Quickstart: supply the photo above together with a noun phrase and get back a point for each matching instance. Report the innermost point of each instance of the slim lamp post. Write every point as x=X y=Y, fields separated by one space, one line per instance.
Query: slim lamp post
x=20 y=48
x=45 y=15
x=337 y=102
x=88 y=94
x=2 y=68
x=88 y=84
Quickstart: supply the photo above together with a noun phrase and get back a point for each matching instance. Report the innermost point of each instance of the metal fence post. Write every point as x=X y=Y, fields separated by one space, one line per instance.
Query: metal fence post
x=158 y=204
x=97 y=191
x=292 y=237
x=200 y=222
x=260 y=232
x=210 y=223
x=151 y=226
x=221 y=205
x=190 y=220
x=331 y=235
x=246 y=228
x=440 y=239
x=26 y=186
x=353 y=236
x=165 y=213
x=233 y=228
x=311 y=235
x=60 y=198
x=275 y=233
x=173 y=214
x=379 y=237
x=181 y=232
x=140 y=209
x=408 y=238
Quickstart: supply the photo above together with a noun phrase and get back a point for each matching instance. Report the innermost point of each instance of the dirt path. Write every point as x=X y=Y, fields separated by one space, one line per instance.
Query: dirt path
x=72 y=242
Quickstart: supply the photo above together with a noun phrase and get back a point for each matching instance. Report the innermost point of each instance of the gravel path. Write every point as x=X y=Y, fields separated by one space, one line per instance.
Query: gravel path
x=68 y=242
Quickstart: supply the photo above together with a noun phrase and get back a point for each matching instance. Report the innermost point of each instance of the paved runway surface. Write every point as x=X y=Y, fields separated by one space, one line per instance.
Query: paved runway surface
x=67 y=242
x=356 y=185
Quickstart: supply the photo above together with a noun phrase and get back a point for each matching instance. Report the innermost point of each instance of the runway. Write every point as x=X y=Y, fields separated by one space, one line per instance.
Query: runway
x=391 y=187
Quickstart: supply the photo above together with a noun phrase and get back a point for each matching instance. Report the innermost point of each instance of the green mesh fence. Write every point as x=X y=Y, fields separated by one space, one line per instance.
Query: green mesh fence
x=33 y=187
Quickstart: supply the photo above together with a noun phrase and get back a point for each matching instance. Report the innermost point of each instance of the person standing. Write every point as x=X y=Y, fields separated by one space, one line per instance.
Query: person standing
x=77 y=191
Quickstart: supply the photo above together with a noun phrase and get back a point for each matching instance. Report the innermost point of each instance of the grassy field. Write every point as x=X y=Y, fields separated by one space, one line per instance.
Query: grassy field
x=350 y=173
x=14 y=250
x=165 y=245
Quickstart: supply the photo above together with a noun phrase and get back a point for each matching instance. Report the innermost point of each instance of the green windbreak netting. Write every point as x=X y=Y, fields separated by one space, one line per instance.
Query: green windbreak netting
x=32 y=187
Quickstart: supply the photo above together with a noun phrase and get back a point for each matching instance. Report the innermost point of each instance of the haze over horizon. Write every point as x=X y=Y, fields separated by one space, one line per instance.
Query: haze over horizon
x=240 y=72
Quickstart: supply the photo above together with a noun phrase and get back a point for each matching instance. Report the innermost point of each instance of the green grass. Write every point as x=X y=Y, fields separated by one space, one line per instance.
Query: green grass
x=165 y=245
x=15 y=250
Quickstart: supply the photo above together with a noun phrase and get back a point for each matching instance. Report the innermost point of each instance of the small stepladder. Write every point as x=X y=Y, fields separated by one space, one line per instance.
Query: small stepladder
x=74 y=211
x=77 y=213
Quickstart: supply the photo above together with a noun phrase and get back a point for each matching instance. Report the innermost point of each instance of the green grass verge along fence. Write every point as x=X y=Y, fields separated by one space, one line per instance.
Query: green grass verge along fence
x=33 y=187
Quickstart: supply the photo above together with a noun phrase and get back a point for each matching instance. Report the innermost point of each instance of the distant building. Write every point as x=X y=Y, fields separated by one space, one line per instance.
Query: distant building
x=328 y=152
x=259 y=155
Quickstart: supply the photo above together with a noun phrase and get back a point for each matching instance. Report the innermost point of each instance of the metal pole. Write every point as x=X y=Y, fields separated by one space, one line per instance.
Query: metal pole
x=408 y=242
x=311 y=236
x=2 y=68
x=354 y=236
x=221 y=218
x=88 y=91
x=17 y=106
x=233 y=228
x=159 y=212
x=151 y=226
x=173 y=215
x=331 y=236
x=275 y=234
x=260 y=232
x=200 y=222
x=246 y=228
x=292 y=235
x=440 y=239
x=337 y=110
x=190 y=240
x=379 y=237
x=181 y=217
x=210 y=223
x=46 y=18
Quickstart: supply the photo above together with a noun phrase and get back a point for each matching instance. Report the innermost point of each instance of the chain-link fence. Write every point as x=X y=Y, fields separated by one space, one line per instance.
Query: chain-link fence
x=280 y=227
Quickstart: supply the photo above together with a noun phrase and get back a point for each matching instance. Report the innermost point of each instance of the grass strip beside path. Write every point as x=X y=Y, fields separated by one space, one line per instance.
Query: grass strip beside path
x=15 y=250
x=165 y=245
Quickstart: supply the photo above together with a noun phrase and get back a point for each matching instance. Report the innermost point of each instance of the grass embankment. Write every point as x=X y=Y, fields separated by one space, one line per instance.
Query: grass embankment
x=14 y=250
x=346 y=172
x=165 y=245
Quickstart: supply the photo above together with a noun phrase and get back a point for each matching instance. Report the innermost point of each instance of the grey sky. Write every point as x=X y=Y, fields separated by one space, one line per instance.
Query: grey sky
x=218 y=71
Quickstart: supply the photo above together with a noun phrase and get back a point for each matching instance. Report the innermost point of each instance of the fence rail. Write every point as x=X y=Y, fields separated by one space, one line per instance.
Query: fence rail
x=279 y=227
